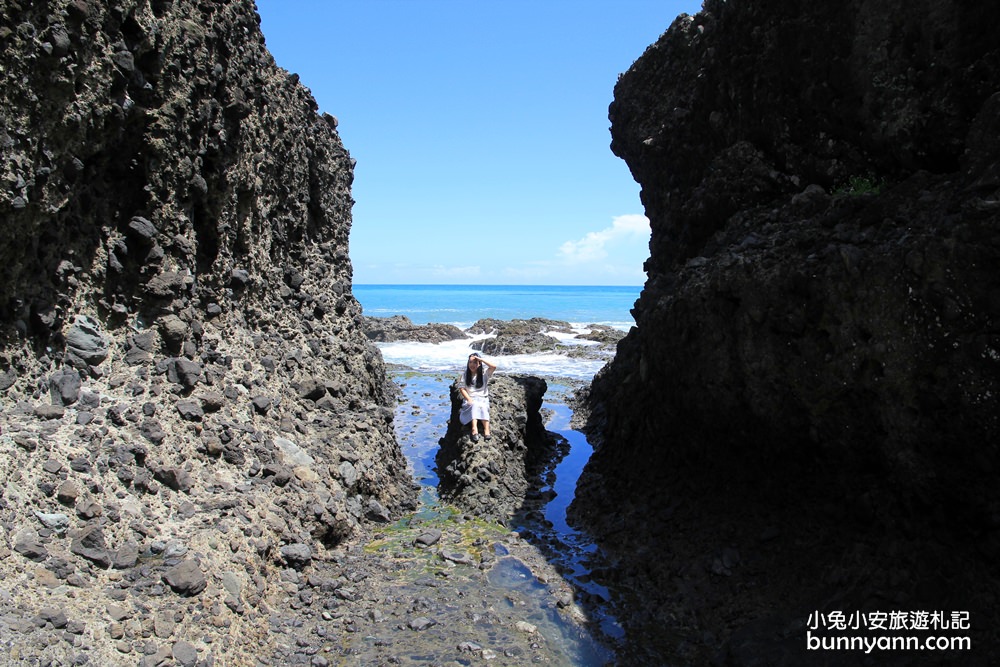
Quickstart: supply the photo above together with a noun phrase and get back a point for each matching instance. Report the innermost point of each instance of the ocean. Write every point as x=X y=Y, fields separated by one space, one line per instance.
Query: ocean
x=463 y=305
x=423 y=372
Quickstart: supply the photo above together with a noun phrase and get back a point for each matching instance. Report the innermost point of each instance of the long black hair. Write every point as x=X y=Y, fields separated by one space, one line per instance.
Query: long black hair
x=479 y=374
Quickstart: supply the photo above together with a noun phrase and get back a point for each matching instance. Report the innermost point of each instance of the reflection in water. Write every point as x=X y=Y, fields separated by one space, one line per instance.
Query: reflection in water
x=421 y=420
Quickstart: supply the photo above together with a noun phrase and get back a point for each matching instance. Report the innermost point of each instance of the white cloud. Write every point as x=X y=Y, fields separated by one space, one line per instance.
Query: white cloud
x=593 y=246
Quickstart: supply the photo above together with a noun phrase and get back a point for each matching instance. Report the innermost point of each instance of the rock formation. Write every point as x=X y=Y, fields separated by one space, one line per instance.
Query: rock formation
x=401 y=327
x=190 y=406
x=807 y=414
x=492 y=479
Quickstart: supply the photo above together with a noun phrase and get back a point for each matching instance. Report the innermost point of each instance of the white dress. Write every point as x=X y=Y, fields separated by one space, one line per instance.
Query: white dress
x=479 y=408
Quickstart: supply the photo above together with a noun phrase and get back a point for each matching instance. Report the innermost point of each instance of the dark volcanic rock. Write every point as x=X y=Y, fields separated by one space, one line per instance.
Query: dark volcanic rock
x=517 y=336
x=400 y=327
x=174 y=259
x=491 y=478
x=815 y=358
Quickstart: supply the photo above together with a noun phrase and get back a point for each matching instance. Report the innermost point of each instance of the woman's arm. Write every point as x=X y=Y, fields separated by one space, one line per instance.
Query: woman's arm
x=488 y=364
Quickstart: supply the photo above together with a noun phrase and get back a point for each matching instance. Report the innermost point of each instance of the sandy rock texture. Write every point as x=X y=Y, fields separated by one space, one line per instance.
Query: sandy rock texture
x=190 y=408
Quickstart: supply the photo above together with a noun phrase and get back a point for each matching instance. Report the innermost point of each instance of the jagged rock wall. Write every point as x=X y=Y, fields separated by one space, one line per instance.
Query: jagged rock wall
x=189 y=403
x=809 y=401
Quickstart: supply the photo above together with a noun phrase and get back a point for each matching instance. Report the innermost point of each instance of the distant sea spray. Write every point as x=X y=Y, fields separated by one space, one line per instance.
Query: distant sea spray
x=463 y=305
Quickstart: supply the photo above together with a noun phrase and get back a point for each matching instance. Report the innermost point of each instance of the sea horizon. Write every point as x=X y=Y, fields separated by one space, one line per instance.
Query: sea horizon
x=582 y=306
x=463 y=304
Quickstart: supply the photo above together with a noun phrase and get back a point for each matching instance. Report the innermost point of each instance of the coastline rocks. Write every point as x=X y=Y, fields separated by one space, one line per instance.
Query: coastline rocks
x=491 y=479
x=400 y=327
x=503 y=337
x=813 y=382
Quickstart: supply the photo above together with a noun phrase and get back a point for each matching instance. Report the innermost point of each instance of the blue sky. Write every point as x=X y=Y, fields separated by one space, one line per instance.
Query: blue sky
x=480 y=130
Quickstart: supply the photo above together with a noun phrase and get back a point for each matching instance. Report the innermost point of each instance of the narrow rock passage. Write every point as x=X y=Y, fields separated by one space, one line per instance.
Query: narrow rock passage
x=436 y=587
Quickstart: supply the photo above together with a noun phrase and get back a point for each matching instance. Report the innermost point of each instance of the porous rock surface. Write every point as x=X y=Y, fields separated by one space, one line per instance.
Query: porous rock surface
x=191 y=412
x=495 y=479
x=807 y=415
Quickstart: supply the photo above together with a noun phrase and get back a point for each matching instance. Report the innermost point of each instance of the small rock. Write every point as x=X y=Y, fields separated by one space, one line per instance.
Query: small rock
x=421 y=623
x=190 y=409
x=46 y=411
x=57 y=522
x=428 y=538
x=85 y=341
x=297 y=555
x=52 y=466
x=89 y=543
x=163 y=625
x=185 y=654
x=55 y=616
x=64 y=387
x=185 y=372
x=457 y=557
x=118 y=613
x=525 y=627
x=377 y=512
x=185 y=578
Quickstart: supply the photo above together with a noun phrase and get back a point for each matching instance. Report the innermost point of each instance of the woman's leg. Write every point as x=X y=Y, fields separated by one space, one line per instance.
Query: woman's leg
x=486 y=428
x=475 y=427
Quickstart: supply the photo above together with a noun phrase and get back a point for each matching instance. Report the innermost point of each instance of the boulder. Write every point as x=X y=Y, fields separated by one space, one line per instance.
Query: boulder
x=400 y=327
x=492 y=478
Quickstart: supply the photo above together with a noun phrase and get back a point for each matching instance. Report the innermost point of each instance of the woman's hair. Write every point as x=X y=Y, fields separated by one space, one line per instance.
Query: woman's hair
x=479 y=373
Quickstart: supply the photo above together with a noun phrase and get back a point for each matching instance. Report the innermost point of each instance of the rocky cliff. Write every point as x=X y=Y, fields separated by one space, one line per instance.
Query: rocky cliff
x=190 y=407
x=807 y=414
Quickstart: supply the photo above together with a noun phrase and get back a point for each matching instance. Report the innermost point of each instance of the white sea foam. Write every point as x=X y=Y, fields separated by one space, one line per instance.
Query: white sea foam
x=451 y=356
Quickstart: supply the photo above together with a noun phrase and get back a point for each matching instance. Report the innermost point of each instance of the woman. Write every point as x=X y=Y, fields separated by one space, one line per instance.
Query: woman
x=474 y=387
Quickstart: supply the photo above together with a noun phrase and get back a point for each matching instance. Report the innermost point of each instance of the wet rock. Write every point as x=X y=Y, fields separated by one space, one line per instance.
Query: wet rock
x=420 y=623
x=457 y=557
x=428 y=538
x=492 y=478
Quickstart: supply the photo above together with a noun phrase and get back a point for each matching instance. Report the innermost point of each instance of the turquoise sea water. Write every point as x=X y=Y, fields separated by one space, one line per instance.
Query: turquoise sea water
x=462 y=305
x=424 y=371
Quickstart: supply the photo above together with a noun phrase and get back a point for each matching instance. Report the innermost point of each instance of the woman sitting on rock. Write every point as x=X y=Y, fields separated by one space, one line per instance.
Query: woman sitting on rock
x=474 y=387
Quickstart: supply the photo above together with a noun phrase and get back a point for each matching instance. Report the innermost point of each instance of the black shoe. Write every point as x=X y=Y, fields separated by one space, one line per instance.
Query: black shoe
x=475 y=437
x=486 y=436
